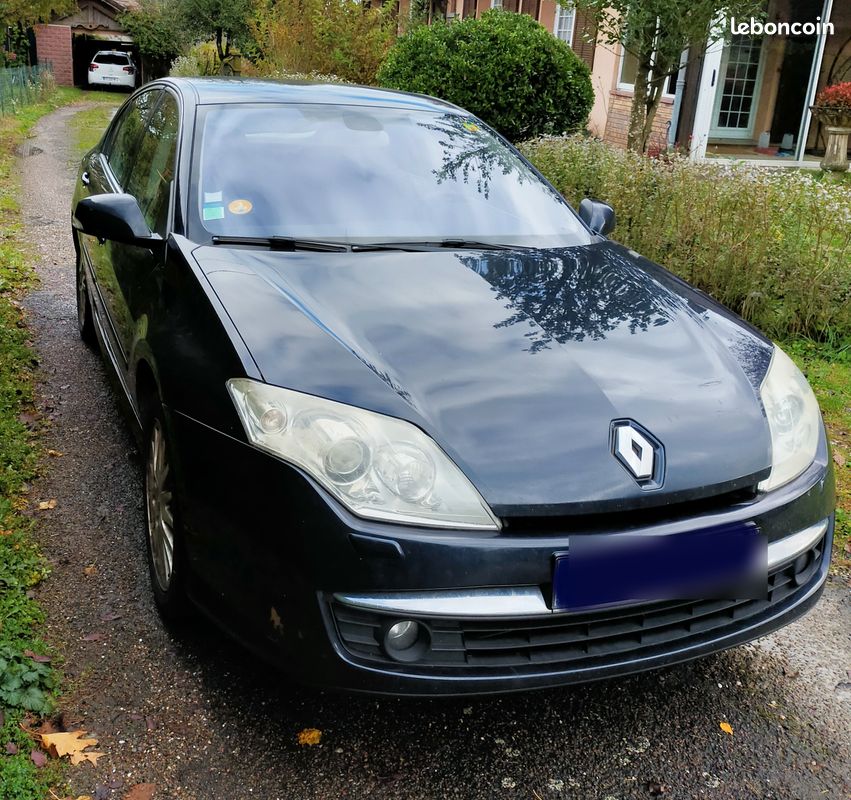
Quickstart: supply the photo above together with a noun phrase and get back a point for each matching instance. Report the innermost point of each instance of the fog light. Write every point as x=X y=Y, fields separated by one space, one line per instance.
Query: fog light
x=406 y=640
x=402 y=635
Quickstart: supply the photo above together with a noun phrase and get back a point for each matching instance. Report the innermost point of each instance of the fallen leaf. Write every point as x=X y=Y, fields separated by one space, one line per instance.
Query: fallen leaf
x=839 y=459
x=38 y=758
x=309 y=736
x=54 y=453
x=65 y=743
x=726 y=727
x=46 y=505
x=36 y=657
x=11 y=749
x=92 y=757
x=93 y=637
x=90 y=570
x=110 y=616
x=141 y=791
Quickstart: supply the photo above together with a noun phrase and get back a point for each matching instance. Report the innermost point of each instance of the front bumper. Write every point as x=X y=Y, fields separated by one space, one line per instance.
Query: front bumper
x=298 y=579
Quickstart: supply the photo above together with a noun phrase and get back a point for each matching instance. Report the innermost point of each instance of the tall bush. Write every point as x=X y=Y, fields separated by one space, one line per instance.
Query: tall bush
x=503 y=67
x=345 y=39
x=773 y=245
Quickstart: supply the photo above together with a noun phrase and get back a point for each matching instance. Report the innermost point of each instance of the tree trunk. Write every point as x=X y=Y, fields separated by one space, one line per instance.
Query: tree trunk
x=219 y=49
x=638 y=113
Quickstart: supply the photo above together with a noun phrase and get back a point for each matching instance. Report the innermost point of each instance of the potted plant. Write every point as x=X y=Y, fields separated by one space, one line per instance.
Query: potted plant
x=833 y=110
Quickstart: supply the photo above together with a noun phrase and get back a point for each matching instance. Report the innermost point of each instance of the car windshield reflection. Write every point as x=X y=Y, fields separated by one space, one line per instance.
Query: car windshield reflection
x=365 y=175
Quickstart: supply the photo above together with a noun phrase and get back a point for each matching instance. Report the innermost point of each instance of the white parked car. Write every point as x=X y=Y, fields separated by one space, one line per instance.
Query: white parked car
x=112 y=68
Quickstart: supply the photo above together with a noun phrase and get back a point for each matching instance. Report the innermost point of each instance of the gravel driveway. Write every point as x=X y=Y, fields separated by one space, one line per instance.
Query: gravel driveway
x=200 y=719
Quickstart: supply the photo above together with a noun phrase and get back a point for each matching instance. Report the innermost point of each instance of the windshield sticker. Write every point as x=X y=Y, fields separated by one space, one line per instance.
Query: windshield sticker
x=212 y=197
x=213 y=212
x=240 y=206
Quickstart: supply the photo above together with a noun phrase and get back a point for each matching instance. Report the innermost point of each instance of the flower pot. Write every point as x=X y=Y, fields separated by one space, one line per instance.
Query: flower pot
x=836 y=153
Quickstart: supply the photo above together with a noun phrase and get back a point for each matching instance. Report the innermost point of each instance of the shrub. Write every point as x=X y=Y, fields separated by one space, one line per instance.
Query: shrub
x=773 y=245
x=503 y=67
x=202 y=59
x=348 y=40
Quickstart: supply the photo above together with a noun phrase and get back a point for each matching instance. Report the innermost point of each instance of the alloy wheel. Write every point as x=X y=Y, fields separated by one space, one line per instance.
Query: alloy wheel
x=159 y=497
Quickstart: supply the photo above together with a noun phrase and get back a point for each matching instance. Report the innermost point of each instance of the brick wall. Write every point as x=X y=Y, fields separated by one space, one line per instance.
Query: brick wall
x=617 y=122
x=53 y=44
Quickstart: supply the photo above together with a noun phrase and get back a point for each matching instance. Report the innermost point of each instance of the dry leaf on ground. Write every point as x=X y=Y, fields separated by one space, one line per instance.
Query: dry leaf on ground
x=141 y=791
x=54 y=453
x=309 y=736
x=726 y=727
x=71 y=744
x=45 y=505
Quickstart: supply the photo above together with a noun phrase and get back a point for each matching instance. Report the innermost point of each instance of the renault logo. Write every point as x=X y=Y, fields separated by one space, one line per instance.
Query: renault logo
x=639 y=452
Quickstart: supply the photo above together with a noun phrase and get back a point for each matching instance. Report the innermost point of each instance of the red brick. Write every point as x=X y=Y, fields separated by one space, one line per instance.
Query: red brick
x=53 y=44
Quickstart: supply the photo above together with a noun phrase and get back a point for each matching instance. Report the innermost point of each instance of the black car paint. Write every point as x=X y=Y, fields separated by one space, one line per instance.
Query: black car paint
x=503 y=358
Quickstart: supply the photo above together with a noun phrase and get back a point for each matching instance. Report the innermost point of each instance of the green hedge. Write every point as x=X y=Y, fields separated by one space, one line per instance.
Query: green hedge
x=773 y=245
x=504 y=68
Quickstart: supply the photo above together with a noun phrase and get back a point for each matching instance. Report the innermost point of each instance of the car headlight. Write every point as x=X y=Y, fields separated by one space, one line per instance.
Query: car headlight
x=794 y=420
x=377 y=466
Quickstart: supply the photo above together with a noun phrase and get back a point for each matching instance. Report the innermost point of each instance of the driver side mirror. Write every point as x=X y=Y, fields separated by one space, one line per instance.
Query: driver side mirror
x=114 y=217
x=597 y=215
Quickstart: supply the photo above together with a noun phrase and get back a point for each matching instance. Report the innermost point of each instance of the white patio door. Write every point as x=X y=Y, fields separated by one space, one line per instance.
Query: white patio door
x=738 y=90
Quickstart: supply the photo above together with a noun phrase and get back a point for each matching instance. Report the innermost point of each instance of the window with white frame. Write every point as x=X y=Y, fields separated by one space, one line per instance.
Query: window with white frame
x=496 y=3
x=629 y=69
x=564 y=23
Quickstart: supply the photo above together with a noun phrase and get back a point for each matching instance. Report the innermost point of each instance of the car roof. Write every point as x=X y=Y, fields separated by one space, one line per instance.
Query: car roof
x=112 y=53
x=206 y=91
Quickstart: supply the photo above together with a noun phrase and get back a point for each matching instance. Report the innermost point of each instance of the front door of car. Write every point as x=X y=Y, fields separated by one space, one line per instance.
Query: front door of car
x=149 y=181
x=109 y=171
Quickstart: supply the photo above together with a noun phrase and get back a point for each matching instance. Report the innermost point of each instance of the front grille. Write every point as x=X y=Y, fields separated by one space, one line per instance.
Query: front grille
x=561 y=640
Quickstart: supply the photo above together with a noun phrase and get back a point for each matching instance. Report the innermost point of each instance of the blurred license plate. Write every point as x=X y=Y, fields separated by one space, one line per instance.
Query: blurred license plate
x=728 y=561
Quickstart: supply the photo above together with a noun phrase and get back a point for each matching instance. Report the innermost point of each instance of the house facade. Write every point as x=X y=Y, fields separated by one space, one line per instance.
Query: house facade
x=747 y=99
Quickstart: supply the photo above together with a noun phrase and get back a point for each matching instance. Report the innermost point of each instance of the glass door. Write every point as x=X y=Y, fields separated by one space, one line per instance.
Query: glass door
x=738 y=90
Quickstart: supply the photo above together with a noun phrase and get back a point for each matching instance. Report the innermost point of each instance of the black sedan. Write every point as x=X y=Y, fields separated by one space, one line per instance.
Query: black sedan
x=413 y=425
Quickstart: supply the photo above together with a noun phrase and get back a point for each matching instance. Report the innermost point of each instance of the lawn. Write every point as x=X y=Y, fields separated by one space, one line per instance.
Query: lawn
x=829 y=372
x=25 y=684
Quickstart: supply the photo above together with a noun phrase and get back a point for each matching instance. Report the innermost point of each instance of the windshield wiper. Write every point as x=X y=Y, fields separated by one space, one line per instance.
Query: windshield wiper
x=449 y=244
x=284 y=243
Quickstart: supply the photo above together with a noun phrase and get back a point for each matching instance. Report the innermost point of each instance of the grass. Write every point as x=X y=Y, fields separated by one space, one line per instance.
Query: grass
x=88 y=125
x=829 y=372
x=25 y=685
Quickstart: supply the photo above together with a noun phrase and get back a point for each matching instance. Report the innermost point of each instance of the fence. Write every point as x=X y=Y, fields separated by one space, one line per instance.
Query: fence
x=22 y=85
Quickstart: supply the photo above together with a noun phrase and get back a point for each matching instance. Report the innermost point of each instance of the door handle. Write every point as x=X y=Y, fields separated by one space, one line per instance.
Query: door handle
x=84 y=179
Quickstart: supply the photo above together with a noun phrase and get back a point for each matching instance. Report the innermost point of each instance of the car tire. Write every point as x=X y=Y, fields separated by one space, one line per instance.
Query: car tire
x=163 y=532
x=85 y=320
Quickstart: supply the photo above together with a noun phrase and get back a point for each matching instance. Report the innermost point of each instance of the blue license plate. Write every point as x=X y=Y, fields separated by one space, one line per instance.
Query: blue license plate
x=726 y=561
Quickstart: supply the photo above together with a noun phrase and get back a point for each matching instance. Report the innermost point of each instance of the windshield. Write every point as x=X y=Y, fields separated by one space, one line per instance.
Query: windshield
x=362 y=174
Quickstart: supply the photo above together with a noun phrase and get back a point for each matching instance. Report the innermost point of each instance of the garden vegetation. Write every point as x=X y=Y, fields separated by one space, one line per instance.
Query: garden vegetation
x=504 y=68
x=773 y=245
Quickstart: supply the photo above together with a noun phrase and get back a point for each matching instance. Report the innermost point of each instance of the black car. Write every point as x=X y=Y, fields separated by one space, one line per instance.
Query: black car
x=410 y=423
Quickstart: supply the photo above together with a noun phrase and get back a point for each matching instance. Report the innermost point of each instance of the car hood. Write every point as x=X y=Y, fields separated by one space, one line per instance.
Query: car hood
x=516 y=363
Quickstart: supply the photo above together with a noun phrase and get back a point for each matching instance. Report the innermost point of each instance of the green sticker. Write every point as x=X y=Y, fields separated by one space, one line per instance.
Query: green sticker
x=213 y=212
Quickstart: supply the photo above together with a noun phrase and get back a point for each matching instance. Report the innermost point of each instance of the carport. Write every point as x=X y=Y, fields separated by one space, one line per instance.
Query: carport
x=95 y=26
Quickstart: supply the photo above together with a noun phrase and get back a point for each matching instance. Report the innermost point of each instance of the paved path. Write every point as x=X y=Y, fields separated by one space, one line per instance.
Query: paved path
x=200 y=719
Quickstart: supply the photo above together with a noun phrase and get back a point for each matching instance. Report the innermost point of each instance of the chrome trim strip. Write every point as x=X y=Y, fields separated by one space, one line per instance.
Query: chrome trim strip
x=790 y=547
x=516 y=601
x=498 y=602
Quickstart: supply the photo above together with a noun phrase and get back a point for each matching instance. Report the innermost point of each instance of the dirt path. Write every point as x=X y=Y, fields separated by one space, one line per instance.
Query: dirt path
x=199 y=719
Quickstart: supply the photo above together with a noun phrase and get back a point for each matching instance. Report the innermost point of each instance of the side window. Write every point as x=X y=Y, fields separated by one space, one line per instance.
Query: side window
x=121 y=149
x=153 y=171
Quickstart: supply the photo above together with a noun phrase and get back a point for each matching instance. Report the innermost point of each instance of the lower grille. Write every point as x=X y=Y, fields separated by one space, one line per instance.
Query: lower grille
x=560 y=640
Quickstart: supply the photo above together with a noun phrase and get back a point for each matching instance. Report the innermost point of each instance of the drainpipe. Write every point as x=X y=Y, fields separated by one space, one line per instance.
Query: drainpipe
x=678 y=99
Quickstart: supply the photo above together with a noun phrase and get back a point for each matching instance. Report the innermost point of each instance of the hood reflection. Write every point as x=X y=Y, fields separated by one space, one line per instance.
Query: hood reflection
x=574 y=294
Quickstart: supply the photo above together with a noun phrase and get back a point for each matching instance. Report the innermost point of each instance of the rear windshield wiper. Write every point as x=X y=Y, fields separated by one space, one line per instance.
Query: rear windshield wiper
x=449 y=244
x=284 y=243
